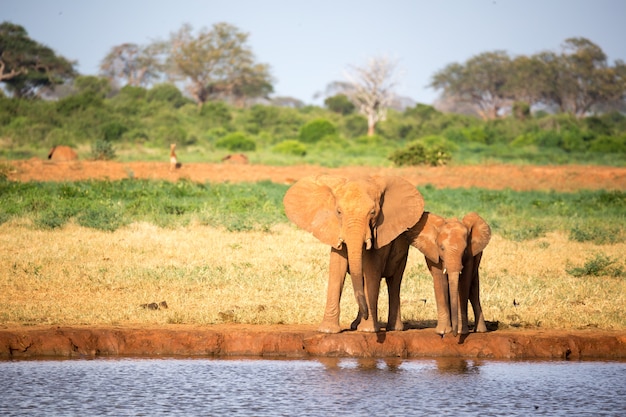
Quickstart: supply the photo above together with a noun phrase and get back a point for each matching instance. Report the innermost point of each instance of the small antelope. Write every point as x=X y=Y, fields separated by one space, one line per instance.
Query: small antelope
x=173 y=160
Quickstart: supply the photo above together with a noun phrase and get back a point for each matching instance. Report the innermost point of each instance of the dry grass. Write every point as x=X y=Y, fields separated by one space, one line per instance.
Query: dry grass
x=79 y=276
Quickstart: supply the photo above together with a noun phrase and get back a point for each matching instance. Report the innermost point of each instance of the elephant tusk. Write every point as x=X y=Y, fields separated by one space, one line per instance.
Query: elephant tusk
x=339 y=244
x=368 y=244
x=445 y=271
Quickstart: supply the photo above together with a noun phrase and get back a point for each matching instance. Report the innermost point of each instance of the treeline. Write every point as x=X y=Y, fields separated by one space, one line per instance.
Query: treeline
x=578 y=80
x=217 y=69
x=135 y=123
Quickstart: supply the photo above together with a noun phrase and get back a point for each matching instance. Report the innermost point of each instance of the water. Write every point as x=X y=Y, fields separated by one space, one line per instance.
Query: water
x=321 y=387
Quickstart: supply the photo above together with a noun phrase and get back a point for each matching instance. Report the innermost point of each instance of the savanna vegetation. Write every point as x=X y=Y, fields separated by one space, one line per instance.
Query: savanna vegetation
x=206 y=92
x=91 y=252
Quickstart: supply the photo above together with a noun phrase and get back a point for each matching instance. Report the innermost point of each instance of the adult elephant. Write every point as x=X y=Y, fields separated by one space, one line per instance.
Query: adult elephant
x=453 y=250
x=362 y=220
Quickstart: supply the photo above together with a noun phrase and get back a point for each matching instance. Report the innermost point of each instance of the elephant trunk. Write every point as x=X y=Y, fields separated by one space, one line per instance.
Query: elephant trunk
x=355 y=263
x=453 y=288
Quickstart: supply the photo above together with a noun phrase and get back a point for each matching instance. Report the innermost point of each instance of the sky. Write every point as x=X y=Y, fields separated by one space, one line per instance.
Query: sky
x=309 y=44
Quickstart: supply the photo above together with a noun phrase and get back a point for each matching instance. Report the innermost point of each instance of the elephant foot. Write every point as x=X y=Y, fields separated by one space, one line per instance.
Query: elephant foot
x=368 y=327
x=481 y=327
x=398 y=327
x=443 y=329
x=329 y=327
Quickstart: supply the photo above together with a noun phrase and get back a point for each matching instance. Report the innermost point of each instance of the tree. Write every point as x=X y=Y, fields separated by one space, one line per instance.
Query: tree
x=371 y=90
x=339 y=103
x=133 y=64
x=588 y=80
x=482 y=81
x=27 y=66
x=217 y=64
x=527 y=79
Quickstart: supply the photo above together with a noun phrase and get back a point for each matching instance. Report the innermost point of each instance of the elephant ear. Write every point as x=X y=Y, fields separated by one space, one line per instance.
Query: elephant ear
x=310 y=204
x=424 y=234
x=480 y=232
x=401 y=206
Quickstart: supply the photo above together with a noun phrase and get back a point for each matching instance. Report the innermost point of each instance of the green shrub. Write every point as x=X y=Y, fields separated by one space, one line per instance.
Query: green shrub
x=354 y=125
x=316 y=129
x=68 y=105
x=332 y=142
x=113 y=131
x=216 y=113
x=597 y=234
x=172 y=134
x=216 y=133
x=597 y=266
x=609 y=144
x=50 y=219
x=102 y=150
x=236 y=142
x=340 y=103
x=101 y=218
x=290 y=147
x=167 y=93
x=430 y=150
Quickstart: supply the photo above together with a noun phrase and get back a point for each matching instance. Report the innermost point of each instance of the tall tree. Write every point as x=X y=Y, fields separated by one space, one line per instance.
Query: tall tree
x=26 y=66
x=217 y=64
x=371 y=89
x=482 y=81
x=588 y=79
x=133 y=64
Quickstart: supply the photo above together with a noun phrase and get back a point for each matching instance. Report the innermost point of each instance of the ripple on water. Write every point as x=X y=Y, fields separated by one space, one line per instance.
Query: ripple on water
x=327 y=386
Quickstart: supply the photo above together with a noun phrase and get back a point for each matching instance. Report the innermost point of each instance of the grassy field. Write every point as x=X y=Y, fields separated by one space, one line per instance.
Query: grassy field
x=226 y=254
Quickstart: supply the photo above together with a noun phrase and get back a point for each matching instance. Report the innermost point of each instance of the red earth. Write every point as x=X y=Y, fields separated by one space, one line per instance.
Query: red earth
x=303 y=340
x=494 y=176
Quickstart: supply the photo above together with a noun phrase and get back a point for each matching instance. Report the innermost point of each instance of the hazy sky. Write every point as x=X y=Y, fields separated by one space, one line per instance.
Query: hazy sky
x=309 y=44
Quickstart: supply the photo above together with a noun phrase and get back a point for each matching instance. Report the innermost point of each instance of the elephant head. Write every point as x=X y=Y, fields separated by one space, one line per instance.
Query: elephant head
x=451 y=244
x=359 y=213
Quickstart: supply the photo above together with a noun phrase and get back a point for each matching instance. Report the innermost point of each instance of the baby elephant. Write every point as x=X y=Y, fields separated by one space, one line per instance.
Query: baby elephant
x=453 y=250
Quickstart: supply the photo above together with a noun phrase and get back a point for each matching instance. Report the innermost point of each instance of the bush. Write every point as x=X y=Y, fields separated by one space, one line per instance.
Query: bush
x=217 y=113
x=236 y=142
x=113 y=131
x=340 y=103
x=102 y=150
x=429 y=150
x=290 y=147
x=167 y=93
x=597 y=266
x=80 y=102
x=374 y=140
x=316 y=129
x=172 y=134
x=609 y=144
x=354 y=125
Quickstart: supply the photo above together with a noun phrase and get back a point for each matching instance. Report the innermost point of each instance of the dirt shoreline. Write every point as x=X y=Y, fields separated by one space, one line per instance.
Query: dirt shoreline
x=302 y=341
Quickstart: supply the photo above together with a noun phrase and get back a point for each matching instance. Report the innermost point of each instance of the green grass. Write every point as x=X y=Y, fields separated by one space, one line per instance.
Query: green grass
x=585 y=216
x=108 y=205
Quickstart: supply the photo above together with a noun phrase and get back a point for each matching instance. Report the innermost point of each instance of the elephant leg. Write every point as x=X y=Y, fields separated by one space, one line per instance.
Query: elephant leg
x=372 y=276
x=337 y=274
x=394 y=273
x=464 y=291
x=394 y=321
x=442 y=298
x=480 y=325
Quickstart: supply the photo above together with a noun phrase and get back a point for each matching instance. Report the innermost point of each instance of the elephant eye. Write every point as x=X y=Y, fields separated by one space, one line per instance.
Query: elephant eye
x=338 y=211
